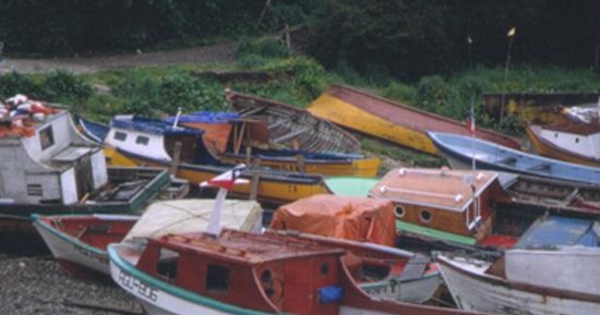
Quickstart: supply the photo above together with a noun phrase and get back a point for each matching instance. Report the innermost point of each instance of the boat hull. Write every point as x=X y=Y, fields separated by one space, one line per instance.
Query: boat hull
x=73 y=254
x=460 y=152
x=558 y=151
x=364 y=167
x=272 y=187
x=472 y=290
x=16 y=218
x=391 y=121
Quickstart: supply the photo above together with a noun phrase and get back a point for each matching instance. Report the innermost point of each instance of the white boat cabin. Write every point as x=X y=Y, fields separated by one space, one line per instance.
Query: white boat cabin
x=45 y=160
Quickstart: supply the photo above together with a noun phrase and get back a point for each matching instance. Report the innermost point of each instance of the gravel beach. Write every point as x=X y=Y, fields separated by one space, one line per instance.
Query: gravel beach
x=32 y=282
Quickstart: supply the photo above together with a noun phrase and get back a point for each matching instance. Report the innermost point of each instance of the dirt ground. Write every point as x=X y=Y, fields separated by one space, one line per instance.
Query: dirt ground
x=223 y=53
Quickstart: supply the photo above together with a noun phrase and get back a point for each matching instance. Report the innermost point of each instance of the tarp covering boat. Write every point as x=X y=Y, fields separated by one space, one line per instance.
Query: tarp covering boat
x=360 y=219
x=192 y=215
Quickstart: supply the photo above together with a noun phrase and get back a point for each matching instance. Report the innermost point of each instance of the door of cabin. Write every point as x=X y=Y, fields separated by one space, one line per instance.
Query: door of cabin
x=84 y=175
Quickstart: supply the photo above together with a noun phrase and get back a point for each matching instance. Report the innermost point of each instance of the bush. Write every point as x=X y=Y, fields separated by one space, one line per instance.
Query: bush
x=62 y=86
x=15 y=83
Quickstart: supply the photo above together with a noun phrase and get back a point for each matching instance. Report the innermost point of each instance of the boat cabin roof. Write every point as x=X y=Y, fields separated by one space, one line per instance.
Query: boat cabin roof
x=440 y=188
x=246 y=247
x=149 y=125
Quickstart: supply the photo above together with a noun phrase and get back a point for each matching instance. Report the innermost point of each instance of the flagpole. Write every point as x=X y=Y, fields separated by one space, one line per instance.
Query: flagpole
x=472 y=130
x=511 y=36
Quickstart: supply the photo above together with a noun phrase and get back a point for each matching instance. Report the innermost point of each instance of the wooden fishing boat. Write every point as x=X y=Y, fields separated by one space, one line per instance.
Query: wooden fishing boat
x=237 y=272
x=570 y=141
x=230 y=139
x=79 y=242
x=218 y=125
x=550 y=271
x=364 y=220
x=392 y=121
x=285 y=126
x=548 y=195
x=460 y=151
x=443 y=208
x=139 y=141
x=51 y=168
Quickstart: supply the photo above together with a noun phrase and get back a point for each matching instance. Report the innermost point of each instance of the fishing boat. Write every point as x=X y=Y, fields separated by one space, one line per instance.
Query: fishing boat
x=464 y=152
x=390 y=120
x=133 y=140
x=51 y=168
x=364 y=220
x=469 y=209
x=141 y=141
x=237 y=272
x=570 y=141
x=551 y=271
x=232 y=140
x=225 y=146
x=285 y=126
x=549 y=195
x=79 y=242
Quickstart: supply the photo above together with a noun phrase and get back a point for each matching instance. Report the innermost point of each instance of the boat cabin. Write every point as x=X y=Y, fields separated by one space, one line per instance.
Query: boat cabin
x=46 y=160
x=158 y=140
x=456 y=201
x=274 y=273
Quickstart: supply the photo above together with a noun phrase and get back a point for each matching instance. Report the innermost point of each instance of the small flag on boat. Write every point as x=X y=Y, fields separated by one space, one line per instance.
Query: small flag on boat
x=470 y=120
x=512 y=32
x=228 y=179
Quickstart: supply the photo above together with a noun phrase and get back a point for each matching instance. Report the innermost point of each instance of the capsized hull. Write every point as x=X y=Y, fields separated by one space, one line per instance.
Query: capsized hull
x=391 y=121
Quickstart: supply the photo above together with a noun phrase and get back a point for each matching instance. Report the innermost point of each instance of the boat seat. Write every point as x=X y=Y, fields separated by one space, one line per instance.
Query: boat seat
x=414 y=268
x=509 y=160
x=542 y=167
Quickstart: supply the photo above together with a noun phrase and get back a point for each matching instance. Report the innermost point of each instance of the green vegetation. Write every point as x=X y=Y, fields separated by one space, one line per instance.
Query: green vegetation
x=290 y=78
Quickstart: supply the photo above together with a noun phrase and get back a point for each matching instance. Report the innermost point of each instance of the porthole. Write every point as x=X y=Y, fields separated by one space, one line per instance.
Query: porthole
x=399 y=212
x=425 y=216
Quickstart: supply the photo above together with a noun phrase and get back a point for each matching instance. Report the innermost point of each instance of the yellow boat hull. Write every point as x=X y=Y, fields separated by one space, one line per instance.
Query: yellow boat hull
x=367 y=167
x=276 y=188
x=345 y=114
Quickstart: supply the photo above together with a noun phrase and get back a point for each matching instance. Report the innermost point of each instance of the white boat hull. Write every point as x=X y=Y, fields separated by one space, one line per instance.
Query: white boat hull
x=473 y=290
x=72 y=251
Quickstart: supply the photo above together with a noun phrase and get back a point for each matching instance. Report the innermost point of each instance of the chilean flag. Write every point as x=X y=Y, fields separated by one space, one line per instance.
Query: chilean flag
x=470 y=121
x=228 y=179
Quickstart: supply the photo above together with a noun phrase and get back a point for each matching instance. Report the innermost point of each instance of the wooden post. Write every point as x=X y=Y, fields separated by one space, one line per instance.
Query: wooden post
x=248 y=155
x=300 y=163
x=176 y=158
x=254 y=187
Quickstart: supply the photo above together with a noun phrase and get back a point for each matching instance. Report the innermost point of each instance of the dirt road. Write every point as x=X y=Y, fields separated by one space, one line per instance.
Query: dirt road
x=223 y=53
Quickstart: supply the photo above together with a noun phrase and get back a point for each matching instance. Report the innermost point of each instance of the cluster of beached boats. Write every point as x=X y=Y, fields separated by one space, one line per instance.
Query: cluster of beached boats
x=308 y=227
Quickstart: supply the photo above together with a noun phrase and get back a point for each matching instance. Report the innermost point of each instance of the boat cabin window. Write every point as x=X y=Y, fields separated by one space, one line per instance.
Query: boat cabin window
x=46 y=137
x=425 y=216
x=35 y=190
x=399 y=212
x=217 y=278
x=324 y=268
x=121 y=136
x=142 y=140
x=576 y=140
x=167 y=263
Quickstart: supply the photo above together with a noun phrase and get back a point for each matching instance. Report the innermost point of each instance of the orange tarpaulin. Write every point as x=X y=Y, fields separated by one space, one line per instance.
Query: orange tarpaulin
x=354 y=218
